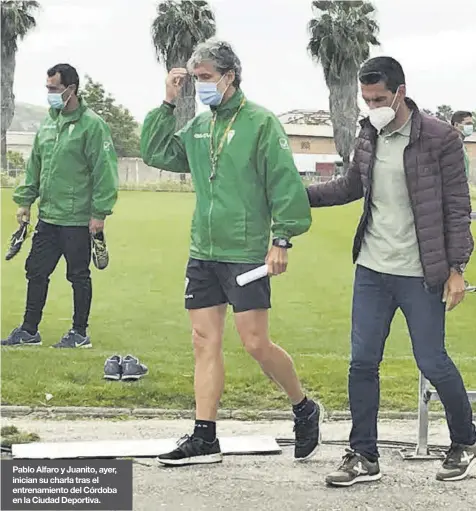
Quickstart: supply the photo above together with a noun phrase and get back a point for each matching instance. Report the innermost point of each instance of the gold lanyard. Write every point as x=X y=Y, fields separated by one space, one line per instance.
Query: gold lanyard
x=214 y=155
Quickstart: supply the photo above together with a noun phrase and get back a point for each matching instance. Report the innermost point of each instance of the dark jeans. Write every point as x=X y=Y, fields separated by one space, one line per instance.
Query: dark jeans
x=49 y=243
x=376 y=298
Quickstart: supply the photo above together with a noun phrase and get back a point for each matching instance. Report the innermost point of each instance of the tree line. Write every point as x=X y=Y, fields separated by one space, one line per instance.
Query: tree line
x=341 y=34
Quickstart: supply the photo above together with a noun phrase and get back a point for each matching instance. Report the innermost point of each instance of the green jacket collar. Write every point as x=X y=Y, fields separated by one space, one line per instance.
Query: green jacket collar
x=70 y=116
x=231 y=106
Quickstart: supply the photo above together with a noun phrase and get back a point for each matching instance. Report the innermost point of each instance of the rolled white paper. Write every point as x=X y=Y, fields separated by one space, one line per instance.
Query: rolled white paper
x=252 y=275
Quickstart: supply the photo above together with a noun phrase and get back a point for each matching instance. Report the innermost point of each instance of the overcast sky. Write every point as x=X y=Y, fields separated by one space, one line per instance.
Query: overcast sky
x=110 y=40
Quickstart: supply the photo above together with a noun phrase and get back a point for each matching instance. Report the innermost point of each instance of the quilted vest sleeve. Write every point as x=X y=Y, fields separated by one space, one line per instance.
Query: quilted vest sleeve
x=343 y=190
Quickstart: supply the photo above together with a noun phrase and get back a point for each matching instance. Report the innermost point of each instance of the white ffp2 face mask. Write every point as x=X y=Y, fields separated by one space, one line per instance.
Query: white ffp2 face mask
x=383 y=115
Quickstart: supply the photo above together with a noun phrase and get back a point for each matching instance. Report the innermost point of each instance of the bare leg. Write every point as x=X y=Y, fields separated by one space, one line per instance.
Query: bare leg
x=276 y=363
x=207 y=337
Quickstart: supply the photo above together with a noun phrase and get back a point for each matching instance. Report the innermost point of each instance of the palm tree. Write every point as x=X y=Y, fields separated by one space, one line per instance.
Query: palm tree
x=17 y=21
x=177 y=29
x=341 y=33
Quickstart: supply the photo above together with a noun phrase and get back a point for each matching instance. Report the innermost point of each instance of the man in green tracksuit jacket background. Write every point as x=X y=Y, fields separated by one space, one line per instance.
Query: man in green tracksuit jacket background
x=247 y=188
x=463 y=121
x=73 y=172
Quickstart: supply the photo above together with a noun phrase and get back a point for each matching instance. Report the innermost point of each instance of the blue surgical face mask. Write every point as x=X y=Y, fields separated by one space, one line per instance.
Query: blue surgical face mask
x=209 y=94
x=467 y=130
x=55 y=99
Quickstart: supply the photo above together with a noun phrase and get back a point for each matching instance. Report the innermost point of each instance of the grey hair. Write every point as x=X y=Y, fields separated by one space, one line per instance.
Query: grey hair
x=221 y=54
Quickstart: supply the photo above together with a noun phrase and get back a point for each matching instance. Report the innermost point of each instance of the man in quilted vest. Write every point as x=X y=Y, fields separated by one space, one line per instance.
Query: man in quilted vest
x=411 y=248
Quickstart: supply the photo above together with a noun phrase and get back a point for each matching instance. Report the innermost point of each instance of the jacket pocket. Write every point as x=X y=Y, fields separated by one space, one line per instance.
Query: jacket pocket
x=228 y=230
x=62 y=201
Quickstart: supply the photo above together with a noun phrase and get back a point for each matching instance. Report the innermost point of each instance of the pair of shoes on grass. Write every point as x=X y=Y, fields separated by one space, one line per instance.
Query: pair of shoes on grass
x=20 y=337
x=124 y=368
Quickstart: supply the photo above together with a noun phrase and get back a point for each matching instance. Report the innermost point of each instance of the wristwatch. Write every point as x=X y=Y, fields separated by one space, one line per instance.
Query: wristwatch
x=281 y=243
x=459 y=268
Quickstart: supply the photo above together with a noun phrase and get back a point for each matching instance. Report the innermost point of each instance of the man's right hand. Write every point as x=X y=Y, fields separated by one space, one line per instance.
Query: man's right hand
x=23 y=214
x=174 y=83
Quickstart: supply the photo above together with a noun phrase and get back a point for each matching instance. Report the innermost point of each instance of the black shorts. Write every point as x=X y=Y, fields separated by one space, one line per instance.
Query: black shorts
x=210 y=283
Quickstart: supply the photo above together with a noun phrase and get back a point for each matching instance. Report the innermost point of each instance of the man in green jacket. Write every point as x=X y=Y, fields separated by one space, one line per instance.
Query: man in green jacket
x=73 y=172
x=463 y=122
x=247 y=187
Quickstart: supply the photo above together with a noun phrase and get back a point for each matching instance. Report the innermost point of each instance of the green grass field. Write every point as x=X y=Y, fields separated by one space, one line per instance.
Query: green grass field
x=138 y=309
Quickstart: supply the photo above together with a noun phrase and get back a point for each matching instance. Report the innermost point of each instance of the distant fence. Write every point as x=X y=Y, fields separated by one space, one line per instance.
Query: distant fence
x=11 y=177
x=134 y=174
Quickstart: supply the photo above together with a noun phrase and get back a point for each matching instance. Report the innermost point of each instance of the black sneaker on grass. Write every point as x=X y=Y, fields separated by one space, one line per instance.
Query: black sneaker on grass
x=113 y=368
x=74 y=340
x=132 y=369
x=193 y=450
x=99 y=252
x=307 y=432
x=459 y=461
x=21 y=337
x=354 y=468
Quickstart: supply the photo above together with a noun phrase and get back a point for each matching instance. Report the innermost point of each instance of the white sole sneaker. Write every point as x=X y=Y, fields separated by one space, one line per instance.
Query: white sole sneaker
x=311 y=454
x=472 y=464
x=114 y=377
x=319 y=442
x=21 y=345
x=358 y=479
x=132 y=376
x=195 y=460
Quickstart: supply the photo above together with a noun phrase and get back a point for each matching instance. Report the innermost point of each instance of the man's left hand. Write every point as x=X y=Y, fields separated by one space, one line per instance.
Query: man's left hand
x=277 y=260
x=96 y=225
x=454 y=290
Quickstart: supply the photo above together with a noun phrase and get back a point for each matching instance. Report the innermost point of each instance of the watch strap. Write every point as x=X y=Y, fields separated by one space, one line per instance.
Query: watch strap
x=282 y=243
x=459 y=268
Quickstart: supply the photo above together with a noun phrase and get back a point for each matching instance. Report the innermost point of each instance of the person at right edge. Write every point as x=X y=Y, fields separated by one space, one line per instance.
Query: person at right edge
x=411 y=248
x=247 y=187
x=463 y=122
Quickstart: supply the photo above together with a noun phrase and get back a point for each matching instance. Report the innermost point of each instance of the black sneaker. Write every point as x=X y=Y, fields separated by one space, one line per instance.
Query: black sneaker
x=459 y=461
x=73 y=340
x=113 y=368
x=132 y=369
x=99 y=251
x=307 y=432
x=17 y=240
x=355 y=468
x=193 y=450
x=21 y=337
